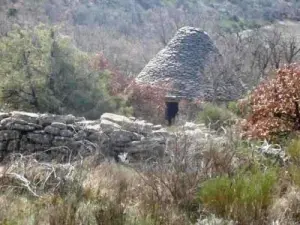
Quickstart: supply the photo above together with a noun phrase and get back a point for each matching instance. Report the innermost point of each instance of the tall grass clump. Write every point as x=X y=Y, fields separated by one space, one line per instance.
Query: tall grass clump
x=214 y=116
x=244 y=197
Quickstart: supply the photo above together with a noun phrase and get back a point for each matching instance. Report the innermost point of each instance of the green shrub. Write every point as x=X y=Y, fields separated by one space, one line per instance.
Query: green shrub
x=244 y=197
x=234 y=108
x=215 y=117
x=293 y=151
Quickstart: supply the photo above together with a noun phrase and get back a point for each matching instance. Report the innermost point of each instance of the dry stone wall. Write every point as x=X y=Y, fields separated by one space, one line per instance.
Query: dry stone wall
x=111 y=135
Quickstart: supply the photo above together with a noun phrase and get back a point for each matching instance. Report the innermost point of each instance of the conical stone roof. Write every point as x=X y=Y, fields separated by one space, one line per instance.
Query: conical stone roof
x=182 y=64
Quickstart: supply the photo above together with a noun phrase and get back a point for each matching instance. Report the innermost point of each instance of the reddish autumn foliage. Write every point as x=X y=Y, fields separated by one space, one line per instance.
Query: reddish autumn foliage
x=148 y=101
x=274 y=105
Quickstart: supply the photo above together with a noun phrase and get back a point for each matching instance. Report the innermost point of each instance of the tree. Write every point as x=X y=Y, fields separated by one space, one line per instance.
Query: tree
x=44 y=73
x=274 y=105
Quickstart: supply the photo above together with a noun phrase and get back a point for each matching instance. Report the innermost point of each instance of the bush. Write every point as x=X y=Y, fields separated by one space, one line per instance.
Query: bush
x=245 y=197
x=234 y=108
x=215 y=117
x=43 y=72
x=275 y=105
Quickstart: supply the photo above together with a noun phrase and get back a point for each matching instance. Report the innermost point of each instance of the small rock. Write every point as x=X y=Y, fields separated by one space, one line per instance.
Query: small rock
x=61 y=126
x=157 y=127
x=66 y=133
x=190 y=126
x=52 y=130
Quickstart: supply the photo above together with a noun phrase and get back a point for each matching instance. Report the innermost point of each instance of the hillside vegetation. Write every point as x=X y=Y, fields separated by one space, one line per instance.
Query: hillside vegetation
x=236 y=163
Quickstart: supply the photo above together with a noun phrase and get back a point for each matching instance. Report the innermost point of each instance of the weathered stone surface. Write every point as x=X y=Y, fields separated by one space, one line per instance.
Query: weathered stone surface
x=93 y=128
x=80 y=135
x=184 y=63
x=8 y=121
x=48 y=119
x=29 y=117
x=118 y=119
x=125 y=123
x=85 y=123
x=62 y=141
x=66 y=133
x=13 y=146
x=6 y=135
x=40 y=138
x=157 y=127
x=160 y=136
x=123 y=136
x=97 y=136
x=18 y=124
x=52 y=130
x=4 y=115
x=61 y=126
x=108 y=126
x=3 y=145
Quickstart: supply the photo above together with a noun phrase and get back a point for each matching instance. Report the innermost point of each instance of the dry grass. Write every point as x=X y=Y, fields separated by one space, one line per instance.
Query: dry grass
x=225 y=179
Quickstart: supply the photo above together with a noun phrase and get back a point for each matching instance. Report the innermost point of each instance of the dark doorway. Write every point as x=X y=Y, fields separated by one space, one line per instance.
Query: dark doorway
x=171 y=111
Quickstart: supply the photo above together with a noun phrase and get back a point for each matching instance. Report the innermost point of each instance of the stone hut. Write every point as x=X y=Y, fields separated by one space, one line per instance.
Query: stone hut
x=192 y=65
x=188 y=64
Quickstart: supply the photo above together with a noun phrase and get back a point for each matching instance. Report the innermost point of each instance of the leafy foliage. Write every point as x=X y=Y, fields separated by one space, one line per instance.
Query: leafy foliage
x=214 y=116
x=45 y=73
x=245 y=197
x=275 y=105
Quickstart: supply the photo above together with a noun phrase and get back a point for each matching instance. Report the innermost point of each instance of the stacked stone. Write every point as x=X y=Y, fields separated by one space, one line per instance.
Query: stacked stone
x=112 y=134
x=186 y=64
